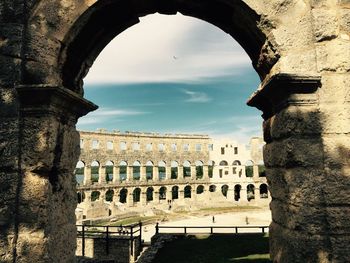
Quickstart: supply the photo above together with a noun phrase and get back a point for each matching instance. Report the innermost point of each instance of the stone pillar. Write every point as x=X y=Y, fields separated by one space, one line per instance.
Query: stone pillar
x=143 y=197
x=180 y=172
x=87 y=175
x=155 y=174
x=143 y=173
x=44 y=217
x=129 y=177
x=307 y=160
x=243 y=194
x=102 y=174
x=167 y=172
x=130 y=198
x=193 y=172
x=205 y=172
x=255 y=171
x=115 y=174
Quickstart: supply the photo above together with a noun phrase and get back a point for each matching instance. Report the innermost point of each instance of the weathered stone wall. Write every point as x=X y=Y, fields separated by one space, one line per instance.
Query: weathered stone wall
x=300 y=48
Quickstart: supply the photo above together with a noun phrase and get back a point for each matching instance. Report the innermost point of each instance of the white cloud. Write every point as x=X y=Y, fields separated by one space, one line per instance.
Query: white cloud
x=105 y=115
x=146 y=51
x=197 y=97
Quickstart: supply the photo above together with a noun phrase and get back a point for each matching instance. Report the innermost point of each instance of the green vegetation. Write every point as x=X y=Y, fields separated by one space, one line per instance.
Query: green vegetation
x=132 y=220
x=249 y=171
x=223 y=248
x=262 y=172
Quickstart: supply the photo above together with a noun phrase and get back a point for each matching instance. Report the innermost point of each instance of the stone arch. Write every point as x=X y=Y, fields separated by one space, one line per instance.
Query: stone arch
x=174 y=173
x=212 y=188
x=95 y=171
x=264 y=193
x=93 y=30
x=162 y=193
x=236 y=162
x=199 y=169
x=187 y=169
x=95 y=195
x=224 y=190
x=188 y=191
x=161 y=170
x=123 y=196
x=79 y=172
x=237 y=190
x=175 y=192
x=250 y=192
x=136 y=170
x=136 y=195
x=109 y=195
x=200 y=189
x=149 y=194
x=149 y=170
x=109 y=171
x=123 y=170
x=223 y=163
x=211 y=165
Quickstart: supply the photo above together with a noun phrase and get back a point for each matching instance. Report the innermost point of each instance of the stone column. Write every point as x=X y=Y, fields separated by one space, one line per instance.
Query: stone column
x=255 y=171
x=143 y=173
x=87 y=175
x=205 y=172
x=130 y=198
x=155 y=174
x=193 y=172
x=180 y=172
x=129 y=175
x=243 y=194
x=306 y=156
x=115 y=174
x=102 y=174
x=167 y=172
x=143 y=197
x=44 y=218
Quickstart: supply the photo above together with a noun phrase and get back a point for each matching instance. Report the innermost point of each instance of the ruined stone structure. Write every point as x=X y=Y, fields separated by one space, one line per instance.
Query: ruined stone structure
x=301 y=51
x=139 y=169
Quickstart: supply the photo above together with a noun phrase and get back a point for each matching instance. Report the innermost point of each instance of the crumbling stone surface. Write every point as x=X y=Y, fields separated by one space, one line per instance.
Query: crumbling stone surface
x=306 y=124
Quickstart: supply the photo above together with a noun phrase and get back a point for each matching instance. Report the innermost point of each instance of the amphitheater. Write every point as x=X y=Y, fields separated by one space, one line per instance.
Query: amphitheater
x=133 y=169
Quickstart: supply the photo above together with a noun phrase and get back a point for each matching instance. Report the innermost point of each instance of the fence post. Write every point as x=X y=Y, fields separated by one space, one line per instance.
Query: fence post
x=236 y=229
x=132 y=240
x=83 y=241
x=157 y=228
x=211 y=230
x=185 y=228
x=107 y=240
x=263 y=230
x=140 y=226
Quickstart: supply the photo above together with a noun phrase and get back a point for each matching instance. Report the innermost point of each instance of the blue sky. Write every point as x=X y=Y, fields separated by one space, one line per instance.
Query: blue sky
x=173 y=74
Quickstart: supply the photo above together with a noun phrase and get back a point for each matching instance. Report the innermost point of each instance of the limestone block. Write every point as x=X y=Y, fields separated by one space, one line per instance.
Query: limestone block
x=9 y=70
x=11 y=11
x=295 y=120
x=335 y=118
x=325 y=24
x=344 y=20
x=299 y=60
x=335 y=88
x=294 y=152
x=333 y=56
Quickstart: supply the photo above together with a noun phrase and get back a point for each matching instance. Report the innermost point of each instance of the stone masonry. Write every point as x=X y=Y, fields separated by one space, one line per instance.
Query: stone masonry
x=299 y=48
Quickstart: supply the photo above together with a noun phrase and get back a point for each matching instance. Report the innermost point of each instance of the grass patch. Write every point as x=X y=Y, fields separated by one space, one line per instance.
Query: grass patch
x=216 y=249
x=132 y=220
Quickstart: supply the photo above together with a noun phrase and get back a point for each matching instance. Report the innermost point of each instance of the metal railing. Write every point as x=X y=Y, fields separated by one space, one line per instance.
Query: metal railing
x=130 y=232
x=211 y=229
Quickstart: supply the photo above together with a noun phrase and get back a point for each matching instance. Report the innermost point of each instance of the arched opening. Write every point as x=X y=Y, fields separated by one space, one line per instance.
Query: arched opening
x=174 y=170
x=123 y=168
x=161 y=170
x=149 y=194
x=263 y=191
x=175 y=192
x=109 y=171
x=199 y=169
x=162 y=193
x=136 y=168
x=224 y=190
x=79 y=172
x=188 y=192
x=149 y=170
x=236 y=163
x=187 y=169
x=95 y=169
x=109 y=195
x=95 y=195
x=249 y=171
x=136 y=195
x=212 y=188
x=200 y=189
x=210 y=168
x=80 y=197
x=223 y=163
x=237 y=190
x=123 y=195
x=250 y=192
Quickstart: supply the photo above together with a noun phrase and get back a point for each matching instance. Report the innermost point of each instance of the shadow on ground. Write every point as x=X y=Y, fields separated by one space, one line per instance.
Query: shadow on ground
x=216 y=249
